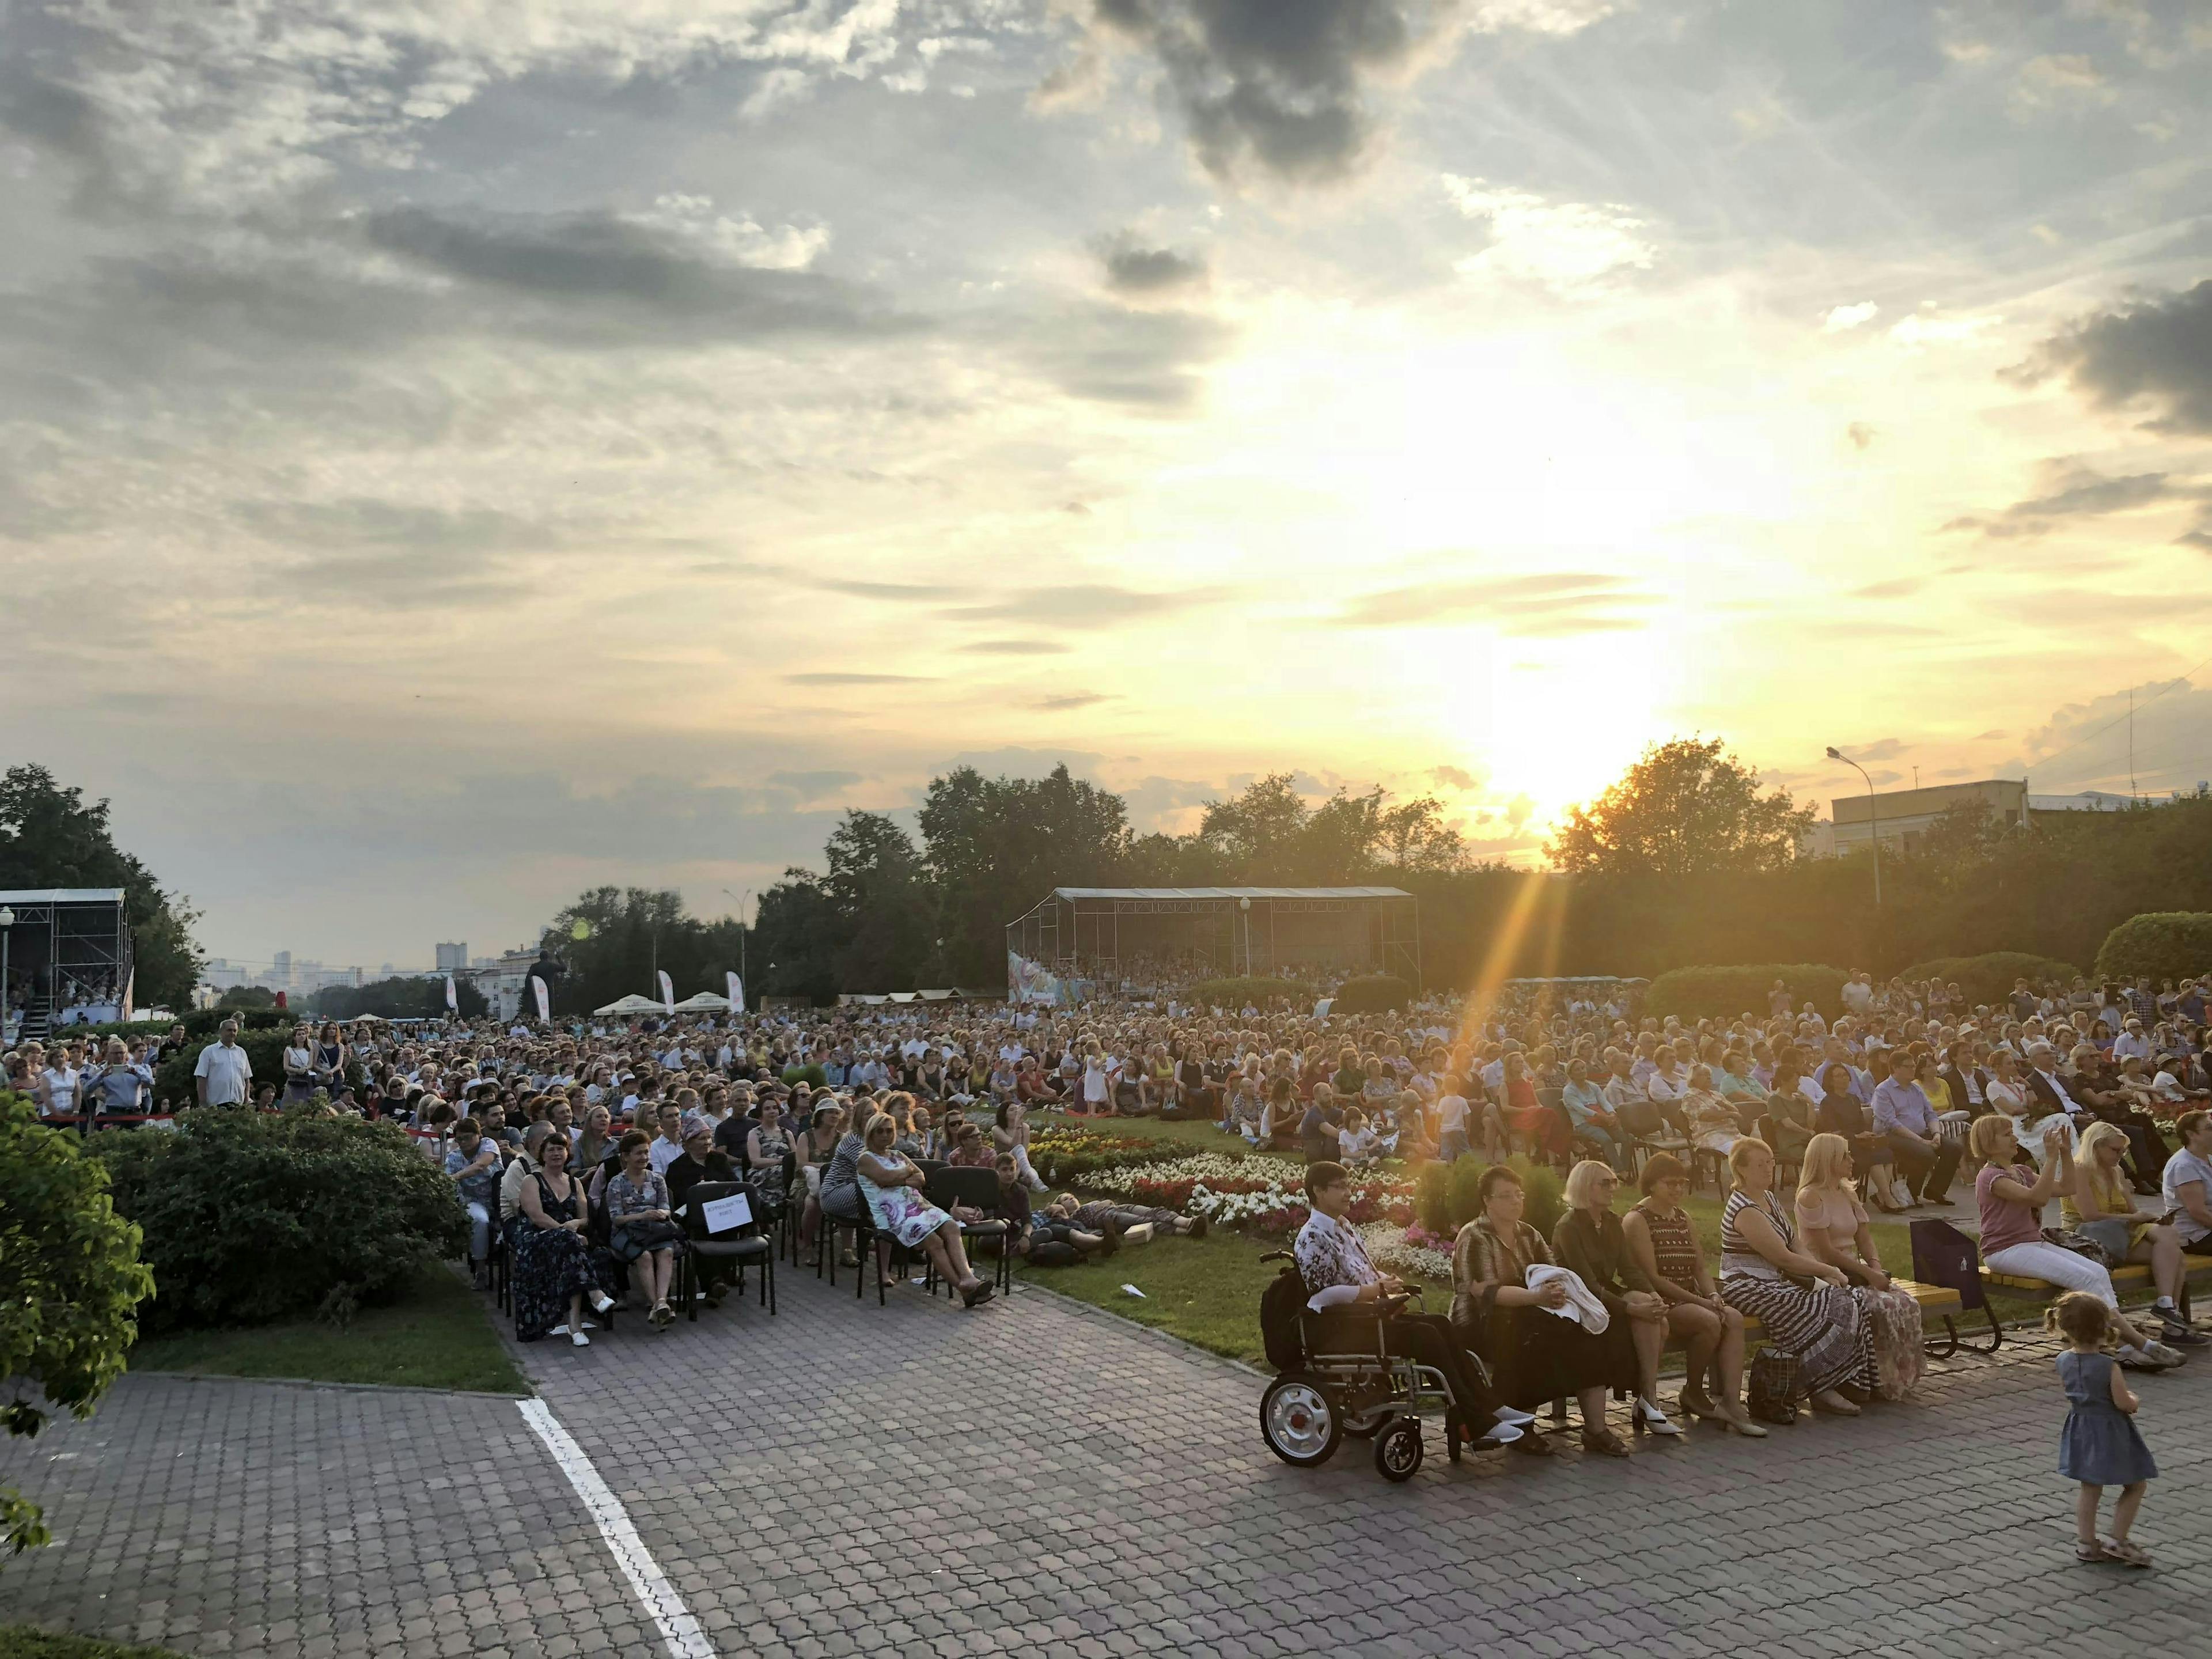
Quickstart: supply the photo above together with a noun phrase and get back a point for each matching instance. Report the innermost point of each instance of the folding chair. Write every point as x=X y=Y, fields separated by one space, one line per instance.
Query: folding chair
x=976 y=1189
x=738 y=1241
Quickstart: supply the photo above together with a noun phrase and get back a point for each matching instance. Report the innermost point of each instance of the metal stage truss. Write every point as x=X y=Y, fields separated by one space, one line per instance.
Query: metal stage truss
x=1127 y=933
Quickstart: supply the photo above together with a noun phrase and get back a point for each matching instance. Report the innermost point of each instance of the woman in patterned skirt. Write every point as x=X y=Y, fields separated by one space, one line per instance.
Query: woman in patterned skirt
x=1823 y=1326
x=1833 y=1224
x=1664 y=1244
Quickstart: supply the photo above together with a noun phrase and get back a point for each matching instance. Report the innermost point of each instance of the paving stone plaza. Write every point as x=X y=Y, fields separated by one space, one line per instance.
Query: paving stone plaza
x=1037 y=1477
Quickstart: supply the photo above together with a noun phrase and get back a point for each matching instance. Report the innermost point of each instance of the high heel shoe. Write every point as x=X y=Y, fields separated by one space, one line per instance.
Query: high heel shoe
x=1648 y=1415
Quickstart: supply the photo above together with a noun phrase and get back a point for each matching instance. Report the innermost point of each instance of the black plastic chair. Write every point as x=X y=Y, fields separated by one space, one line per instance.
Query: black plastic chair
x=747 y=1243
x=1941 y=1254
x=976 y=1189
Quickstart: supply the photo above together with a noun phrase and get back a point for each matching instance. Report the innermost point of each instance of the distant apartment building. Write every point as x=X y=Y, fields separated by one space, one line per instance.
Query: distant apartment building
x=453 y=958
x=1901 y=818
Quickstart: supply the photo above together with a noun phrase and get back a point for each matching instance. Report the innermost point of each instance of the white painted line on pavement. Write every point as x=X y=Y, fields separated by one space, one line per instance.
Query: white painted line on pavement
x=677 y=1627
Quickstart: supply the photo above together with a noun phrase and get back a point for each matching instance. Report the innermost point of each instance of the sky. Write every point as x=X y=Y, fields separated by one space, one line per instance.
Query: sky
x=453 y=455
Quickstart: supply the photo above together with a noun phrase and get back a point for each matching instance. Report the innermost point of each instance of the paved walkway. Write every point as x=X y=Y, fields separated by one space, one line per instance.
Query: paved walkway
x=1037 y=1476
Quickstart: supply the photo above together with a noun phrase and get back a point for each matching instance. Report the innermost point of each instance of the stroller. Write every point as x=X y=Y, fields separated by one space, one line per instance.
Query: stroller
x=1338 y=1377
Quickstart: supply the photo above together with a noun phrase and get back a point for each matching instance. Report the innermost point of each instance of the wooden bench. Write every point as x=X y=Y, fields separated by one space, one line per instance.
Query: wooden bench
x=2133 y=1276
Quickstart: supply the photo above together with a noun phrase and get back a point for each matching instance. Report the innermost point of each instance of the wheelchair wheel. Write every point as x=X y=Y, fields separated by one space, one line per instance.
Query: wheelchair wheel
x=1398 y=1449
x=1299 y=1421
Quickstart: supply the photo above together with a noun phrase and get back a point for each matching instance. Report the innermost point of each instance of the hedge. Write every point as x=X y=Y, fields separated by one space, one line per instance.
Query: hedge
x=1375 y=993
x=1445 y=1196
x=1722 y=993
x=1989 y=977
x=1256 y=991
x=812 y=1076
x=2158 y=944
x=250 y=1217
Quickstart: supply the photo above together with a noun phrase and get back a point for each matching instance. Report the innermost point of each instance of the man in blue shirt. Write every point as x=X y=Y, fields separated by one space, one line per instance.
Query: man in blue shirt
x=1902 y=1113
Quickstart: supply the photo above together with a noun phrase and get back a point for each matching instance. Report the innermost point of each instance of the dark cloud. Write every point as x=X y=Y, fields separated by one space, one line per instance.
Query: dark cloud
x=2157 y=351
x=1457 y=776
x=61 y=120
x=2076 y=491
x=608 y=279
x=1014 y=648
x=857 y=679
x=867 y=590
x=1134 y=269
x=1089 y=602
x=1280 y=84
x=1537 y=607
x=1117 y=355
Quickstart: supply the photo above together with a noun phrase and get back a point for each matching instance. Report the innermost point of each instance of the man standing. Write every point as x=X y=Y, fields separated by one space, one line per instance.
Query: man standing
x=224 y=1075
x=1903 y=1115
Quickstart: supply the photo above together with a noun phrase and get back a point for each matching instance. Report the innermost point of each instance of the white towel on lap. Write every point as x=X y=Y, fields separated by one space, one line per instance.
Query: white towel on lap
x=1581 y=1305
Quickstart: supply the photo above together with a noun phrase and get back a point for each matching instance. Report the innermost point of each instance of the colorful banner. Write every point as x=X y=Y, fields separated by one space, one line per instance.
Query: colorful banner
x=452 y=997
x=667 y=993
x=544 y=1000
x=737 y=993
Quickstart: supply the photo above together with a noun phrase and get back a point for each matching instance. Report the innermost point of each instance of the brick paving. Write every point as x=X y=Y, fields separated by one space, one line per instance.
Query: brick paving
x=830 y=1482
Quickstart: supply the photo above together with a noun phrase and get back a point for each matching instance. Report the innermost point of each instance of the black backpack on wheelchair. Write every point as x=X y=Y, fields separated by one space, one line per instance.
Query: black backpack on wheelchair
x=1281 y=1305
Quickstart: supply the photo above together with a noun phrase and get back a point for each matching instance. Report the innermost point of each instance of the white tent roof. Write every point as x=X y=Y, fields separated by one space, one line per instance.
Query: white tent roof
x=1230 y=892
x=704 y=1001
x=632 y=1004
x=64 y=896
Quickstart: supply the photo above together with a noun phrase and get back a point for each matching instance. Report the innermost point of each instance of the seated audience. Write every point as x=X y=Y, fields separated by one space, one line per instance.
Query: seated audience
x=1588 y=1242
x=1821 y=1325
x=891 y=1184
x=2100 y=1205
x=554 y=1265
x=1663 y=1243
x=1833 y=1227
x=642 y=1220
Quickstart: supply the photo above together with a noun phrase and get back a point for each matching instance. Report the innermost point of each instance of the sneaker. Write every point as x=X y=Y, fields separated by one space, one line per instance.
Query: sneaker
x=579 y=1339
x=2164 y=1356
x=2181 y=1335
x=2140 y=1359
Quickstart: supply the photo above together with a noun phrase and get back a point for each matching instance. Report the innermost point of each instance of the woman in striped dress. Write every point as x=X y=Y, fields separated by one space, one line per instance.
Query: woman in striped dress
x=1823 y=1325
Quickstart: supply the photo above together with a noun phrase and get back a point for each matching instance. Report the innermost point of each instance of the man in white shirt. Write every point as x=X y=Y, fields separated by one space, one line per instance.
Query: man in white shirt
x=1859 y=994
x=2132 y=1043
x=223 y=1075
x=667 y=1145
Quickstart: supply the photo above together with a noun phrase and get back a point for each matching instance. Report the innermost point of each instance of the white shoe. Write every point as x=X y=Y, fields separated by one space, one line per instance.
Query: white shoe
x=1512 y=1414
x=580 y=1340
x=2141 y=1359
x=560 y=1329
x=1654 y=1419
x=602 y=1303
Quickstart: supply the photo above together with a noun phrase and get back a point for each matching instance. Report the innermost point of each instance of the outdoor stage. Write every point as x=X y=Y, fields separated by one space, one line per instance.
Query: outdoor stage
x=1114 y=935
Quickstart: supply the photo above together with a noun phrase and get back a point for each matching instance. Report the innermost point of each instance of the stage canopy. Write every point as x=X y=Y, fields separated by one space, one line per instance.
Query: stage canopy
x=1141 y=936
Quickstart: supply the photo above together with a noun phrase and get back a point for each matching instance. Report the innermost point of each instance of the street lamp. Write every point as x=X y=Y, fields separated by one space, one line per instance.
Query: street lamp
x=7 y=921
x=1245 y=906
x=1873 y=810
x=748 y=893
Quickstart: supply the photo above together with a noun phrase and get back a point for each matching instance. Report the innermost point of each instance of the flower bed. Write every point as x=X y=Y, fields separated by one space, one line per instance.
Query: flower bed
x=1067 y=1157
x=1254 y=1194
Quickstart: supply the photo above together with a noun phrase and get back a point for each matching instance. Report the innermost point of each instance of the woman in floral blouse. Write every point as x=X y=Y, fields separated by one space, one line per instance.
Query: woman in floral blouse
x=644 y=1232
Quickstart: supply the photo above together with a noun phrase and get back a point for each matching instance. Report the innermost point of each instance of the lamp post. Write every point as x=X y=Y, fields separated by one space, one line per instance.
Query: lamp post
x=7 y=922
x=741 y=899
x=1244 y=907
x=1874 y=812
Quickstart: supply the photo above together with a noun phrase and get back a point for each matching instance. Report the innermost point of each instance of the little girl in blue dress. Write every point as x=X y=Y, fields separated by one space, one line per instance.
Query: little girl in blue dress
x=2099 y=1446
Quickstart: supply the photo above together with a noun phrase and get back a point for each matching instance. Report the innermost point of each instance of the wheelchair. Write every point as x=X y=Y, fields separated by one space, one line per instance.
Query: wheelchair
x=1334 y=1388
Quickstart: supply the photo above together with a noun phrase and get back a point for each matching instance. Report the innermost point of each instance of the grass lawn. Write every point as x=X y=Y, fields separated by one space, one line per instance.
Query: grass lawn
x=21 y=1642
x=437 y=1335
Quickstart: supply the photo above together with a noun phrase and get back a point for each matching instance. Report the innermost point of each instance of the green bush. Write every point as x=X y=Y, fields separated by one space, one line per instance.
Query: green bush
x=1433 y=1197
x=1375 y=993
x=70 y=1281
x=2159 y=944
x=1446 y=1197
x=1258 y=990
x=1989 y=977
x=251 y=1217
x=1724 y=992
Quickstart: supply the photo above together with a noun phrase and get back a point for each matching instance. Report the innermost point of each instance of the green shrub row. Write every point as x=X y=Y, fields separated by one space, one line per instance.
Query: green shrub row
x=1989 y=977
x=250 y=1217
x=2159 y=944
x=1445 y=1199
x=1722 y=993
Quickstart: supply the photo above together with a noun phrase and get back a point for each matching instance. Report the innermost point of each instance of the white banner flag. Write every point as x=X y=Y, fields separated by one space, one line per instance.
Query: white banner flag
x=737 y=993
x=452 y=996
x=667 y=992
x=545 y=1002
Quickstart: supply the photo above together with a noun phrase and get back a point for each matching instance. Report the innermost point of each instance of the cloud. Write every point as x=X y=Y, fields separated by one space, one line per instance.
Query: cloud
x=1924 y=328
x=1882 y=750
x=1536 y=607
x=857 y=679
x=369 y=552
x=1564 y=246
x=2076 y=491
x=1849 y=317
x=1148 y=359
x=1902 y=587
x=1284 y=86
x=1087 y=603
x=858 y=589
x=608 y=278
x=1457 y=777
x=1073 y=700
x=1014 y=648
x=812 y=787
x=2058 y=80
x=1134 y=269
x=2157 y=350
x=1861 y=435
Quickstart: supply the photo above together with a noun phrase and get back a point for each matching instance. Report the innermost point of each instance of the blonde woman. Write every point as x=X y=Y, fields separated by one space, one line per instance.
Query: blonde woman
x=1822 y=1325
x=2099 y=1204
x=1833 y=1227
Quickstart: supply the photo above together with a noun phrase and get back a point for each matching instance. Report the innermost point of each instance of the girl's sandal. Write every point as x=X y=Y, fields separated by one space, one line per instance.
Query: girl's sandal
x=2126 y=1553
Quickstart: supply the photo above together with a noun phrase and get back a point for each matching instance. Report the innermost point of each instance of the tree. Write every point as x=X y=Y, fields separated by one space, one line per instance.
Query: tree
x=615 y=941
x=403 y=997
x=1687 y=808
x=50 y=838
x=1260 y=834
x=877 y=890
x=70 y=1284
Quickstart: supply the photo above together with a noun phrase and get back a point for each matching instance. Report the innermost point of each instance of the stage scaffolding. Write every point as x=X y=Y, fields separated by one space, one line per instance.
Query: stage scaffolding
x=1116 y=935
